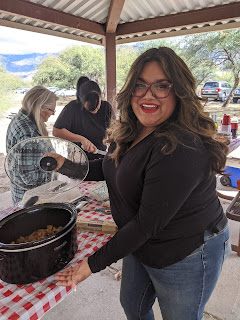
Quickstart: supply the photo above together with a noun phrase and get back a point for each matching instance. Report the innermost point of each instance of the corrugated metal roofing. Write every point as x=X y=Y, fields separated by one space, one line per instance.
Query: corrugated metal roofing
x=132 y=11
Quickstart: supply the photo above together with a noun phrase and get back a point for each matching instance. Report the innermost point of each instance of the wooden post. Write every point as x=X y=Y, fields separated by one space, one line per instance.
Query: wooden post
x=110 y=62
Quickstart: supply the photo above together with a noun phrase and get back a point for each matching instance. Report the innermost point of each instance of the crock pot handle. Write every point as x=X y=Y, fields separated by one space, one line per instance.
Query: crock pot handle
x=30 y=202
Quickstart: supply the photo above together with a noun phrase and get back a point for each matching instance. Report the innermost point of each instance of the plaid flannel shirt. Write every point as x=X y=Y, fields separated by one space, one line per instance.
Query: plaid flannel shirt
x=23 y=163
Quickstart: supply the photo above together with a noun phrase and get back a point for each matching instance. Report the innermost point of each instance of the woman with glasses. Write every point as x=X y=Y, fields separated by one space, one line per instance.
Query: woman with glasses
x=160 y=170
x=84 y=121
x=38 y=105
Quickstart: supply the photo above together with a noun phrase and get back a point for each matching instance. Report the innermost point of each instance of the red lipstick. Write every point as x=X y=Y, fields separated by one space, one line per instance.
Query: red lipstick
x=149 y=107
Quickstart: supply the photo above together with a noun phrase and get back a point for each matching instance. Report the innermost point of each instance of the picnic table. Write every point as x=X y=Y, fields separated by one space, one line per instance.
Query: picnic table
x=32 y=301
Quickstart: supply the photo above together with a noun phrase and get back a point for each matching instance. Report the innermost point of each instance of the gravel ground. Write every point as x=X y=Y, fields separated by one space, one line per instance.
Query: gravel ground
x=4 y=180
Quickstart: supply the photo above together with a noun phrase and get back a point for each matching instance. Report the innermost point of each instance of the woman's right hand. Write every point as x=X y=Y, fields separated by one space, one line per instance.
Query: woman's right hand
x=72 y=276
x=60 y=159
x=88 y=146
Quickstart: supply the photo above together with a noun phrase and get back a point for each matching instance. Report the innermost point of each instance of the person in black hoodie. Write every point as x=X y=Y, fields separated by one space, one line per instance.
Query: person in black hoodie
x=84 y=121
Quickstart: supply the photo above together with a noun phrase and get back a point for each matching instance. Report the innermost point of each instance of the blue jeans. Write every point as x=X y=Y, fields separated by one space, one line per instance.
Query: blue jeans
x=182 y=289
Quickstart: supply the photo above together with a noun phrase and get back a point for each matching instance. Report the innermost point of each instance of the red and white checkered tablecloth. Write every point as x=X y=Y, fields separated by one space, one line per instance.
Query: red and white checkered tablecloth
x=234 y=144
x=31 y=302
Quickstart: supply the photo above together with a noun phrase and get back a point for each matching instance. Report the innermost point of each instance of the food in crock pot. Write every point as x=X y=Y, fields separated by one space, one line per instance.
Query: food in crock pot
x=38 y=235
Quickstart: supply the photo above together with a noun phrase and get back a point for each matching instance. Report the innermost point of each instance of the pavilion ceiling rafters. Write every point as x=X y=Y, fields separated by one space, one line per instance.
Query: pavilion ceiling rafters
x=130 y=20
x=41 y=13
x=180 y=20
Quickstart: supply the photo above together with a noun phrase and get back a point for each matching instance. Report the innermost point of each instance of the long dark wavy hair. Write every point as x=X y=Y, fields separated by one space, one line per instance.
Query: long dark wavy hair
x=188 y=117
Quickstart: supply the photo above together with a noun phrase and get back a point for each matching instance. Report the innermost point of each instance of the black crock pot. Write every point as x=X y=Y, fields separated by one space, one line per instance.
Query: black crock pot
x=32 y=261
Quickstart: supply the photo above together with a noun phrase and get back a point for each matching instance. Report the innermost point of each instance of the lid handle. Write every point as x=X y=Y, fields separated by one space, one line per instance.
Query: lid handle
x=48 y=163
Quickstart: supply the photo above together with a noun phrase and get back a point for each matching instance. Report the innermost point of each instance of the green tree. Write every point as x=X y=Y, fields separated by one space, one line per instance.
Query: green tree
x=53 y=72
x=64 y=70
x=145 y=45
x=8 y=83
x=225 y=50
x=125 y=56
x=85 y=61
x=208 y=53
x=197 y=57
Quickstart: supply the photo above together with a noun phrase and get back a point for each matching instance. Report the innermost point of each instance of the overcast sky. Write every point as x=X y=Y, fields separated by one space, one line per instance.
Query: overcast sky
x=15 y=41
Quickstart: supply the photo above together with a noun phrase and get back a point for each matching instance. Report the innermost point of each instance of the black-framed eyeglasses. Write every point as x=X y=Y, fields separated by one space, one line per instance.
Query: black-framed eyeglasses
x=159 y=90
x=53 y=111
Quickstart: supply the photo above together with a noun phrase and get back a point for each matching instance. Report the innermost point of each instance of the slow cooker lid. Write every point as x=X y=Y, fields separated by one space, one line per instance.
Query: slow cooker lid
x=22 y=165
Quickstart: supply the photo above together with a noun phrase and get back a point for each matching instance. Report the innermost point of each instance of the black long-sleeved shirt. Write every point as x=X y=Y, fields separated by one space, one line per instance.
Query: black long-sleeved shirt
x=76 y=119
x=162 y=204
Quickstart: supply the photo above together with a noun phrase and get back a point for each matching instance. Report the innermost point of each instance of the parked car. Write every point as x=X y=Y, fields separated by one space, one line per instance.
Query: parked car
x=24 y=90
x=18 y=90
x=66 y=92
x=53 y=89
x=60 y=92
x=217 y=90
x=236 y=95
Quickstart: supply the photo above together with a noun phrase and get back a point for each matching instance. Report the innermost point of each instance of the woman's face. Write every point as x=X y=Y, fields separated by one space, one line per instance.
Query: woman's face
x=48 y=112
x=149 y=110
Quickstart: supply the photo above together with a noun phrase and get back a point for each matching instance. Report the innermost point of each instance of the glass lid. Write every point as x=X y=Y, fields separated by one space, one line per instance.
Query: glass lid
x=28 y=169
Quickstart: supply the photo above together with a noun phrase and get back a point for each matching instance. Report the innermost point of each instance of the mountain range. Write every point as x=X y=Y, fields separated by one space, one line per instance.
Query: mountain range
x=22 y=65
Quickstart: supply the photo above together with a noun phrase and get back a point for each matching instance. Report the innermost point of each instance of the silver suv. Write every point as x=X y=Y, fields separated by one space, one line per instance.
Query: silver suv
x=217 y=90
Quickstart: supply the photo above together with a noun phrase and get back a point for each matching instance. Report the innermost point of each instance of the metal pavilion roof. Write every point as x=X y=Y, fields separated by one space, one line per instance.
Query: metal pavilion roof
x=129 y=20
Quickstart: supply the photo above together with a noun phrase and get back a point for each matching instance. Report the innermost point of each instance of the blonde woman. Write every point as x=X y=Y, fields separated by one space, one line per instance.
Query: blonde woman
x=38 y=105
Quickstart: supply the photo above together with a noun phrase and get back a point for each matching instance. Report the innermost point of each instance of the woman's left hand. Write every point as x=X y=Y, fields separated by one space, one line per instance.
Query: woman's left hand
x=72 y=276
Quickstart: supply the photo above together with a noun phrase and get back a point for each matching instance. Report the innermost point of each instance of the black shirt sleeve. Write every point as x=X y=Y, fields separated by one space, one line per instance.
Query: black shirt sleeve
x=76 y=170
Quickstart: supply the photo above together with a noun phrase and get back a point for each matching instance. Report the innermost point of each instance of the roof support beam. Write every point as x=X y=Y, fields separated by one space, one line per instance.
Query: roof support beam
x=177 y=33
x=110 y=49
x=180 y=20
x=114 y=15
x=110 y=63
x=37 y=12
x=50 y=32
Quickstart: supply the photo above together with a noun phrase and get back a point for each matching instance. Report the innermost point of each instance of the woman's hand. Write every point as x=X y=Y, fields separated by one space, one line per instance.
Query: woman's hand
x=60 y=159
x=72 y=276
x=88 y=146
